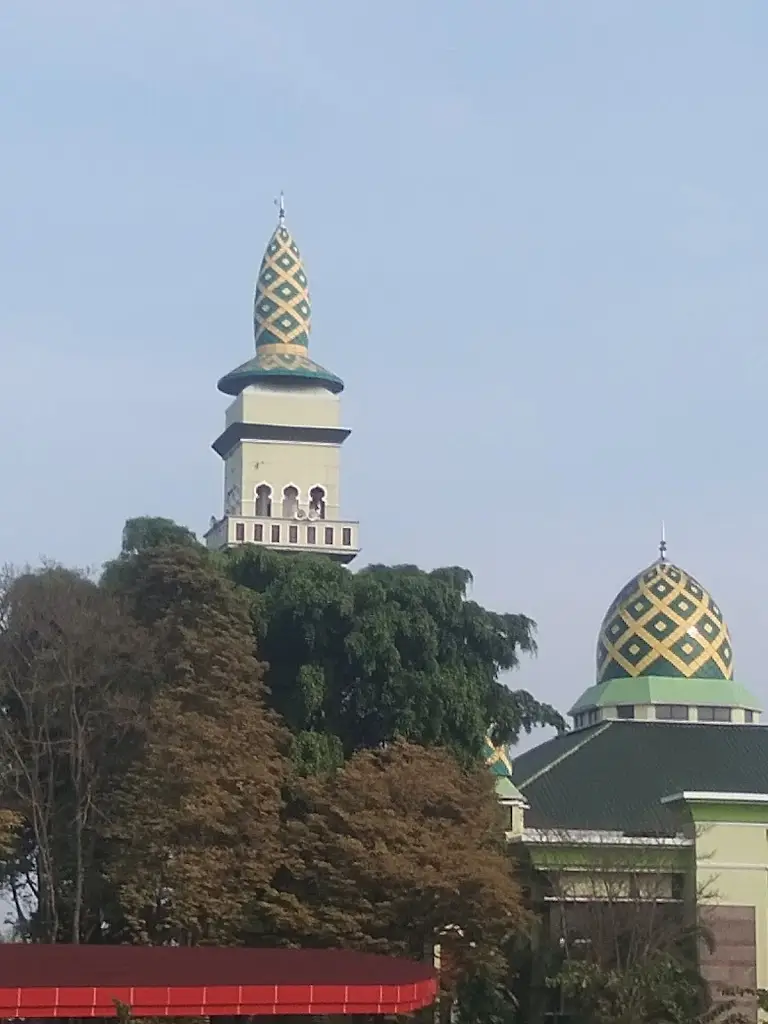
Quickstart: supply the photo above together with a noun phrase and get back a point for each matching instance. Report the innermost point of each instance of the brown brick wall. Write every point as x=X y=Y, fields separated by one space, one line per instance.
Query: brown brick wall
x=733 y=962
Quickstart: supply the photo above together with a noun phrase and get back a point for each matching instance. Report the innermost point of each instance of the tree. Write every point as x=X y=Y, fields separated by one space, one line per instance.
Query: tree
x=196 y=821
x=74 y=671
x=397 y=851
x=358 y=660
x=141 y=534
x=145 y=532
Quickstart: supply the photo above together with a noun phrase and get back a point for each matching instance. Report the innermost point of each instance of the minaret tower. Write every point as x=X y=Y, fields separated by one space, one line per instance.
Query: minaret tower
x=282 y=440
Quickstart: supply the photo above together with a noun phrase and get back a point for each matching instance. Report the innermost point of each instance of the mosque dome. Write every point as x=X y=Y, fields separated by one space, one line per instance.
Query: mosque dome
x=663 y=623
x=282 y=317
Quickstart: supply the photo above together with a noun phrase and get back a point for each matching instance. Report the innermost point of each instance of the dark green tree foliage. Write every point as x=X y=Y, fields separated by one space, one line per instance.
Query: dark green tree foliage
x=359 y=659
x=196 y=820
x=144 y=533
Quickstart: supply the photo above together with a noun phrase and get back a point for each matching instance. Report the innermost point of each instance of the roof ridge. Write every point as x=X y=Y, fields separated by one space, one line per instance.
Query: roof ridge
x=558 y=760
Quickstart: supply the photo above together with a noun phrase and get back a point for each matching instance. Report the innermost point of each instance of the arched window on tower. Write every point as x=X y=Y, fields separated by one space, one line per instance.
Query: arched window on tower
x=290 y=501
x=317 y=502
x=263 y=500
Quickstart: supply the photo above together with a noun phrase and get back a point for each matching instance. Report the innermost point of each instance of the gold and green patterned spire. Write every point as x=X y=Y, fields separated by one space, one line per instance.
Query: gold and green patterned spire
x=496 y=758
x=281 y=308
x=282 y=317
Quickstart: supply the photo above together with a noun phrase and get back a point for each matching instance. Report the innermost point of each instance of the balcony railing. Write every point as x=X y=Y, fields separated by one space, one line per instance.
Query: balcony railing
x=338 y=538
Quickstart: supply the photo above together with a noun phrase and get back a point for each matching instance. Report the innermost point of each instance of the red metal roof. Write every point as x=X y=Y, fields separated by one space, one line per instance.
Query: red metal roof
x=85 y=981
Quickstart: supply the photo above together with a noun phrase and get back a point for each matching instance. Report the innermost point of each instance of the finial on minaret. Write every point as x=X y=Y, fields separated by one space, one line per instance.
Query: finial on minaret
x=280 y=204
x=663 y=544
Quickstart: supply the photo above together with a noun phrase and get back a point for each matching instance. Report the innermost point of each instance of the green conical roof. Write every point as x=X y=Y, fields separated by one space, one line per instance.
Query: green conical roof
x=282 y=318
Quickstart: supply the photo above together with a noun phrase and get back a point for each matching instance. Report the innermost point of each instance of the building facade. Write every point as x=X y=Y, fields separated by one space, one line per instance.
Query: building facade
x=659 y=793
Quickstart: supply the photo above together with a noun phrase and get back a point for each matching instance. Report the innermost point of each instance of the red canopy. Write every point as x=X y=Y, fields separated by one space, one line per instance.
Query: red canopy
x=161 y=981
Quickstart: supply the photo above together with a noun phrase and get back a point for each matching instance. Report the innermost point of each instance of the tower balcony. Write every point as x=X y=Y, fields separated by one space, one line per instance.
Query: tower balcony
x=337 y=538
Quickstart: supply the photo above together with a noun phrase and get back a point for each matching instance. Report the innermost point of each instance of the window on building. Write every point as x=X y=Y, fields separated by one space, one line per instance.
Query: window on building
x=625 y=711
x=749 y=717
x=346 y=537
x=707 y=713
x=317 y=502
x=263 y=500
x=240 y=532
x=290 y=501
x=673 y=712
x=311 y=535
x=592 y=717
x=258 y=532
x=275 y=533
x=293 y=535
x=329 y=535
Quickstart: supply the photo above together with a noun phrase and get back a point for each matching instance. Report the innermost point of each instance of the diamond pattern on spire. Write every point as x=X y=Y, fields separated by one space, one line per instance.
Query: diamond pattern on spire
x=281 y=309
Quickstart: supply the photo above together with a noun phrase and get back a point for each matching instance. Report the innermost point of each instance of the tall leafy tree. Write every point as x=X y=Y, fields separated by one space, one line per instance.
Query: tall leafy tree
x=196 y=822
x=398 y=850
x=359 y=659
x=75 y=673
x=143 y=533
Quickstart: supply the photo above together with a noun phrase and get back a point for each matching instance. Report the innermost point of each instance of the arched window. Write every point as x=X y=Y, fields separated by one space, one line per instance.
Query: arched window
x=317 y=502
x=263 y=500
x=290 y=501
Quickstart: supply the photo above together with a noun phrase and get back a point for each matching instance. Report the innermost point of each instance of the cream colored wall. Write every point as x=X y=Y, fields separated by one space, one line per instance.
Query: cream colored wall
x=279 y=464
x=310 y=407
x=732 y=870
x=233 y=475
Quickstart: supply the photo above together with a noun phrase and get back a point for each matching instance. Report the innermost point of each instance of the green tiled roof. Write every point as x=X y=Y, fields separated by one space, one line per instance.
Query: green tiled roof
x=506 y=789
x=613 y=775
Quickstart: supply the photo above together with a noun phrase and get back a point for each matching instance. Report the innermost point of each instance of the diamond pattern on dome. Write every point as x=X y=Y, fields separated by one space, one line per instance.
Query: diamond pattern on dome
x=664 y=623
x=281 y=306
x=637 y=609
x=617 y=628
x=682 y=606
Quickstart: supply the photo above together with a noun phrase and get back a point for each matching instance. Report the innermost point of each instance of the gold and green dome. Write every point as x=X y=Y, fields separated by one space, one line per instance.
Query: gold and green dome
x=663 y=623
x=282 y=317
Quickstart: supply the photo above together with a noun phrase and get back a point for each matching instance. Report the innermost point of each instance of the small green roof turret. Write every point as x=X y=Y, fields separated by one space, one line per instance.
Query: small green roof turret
x=281 y=323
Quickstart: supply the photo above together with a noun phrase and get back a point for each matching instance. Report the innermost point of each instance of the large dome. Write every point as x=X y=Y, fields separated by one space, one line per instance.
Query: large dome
x=664 y=623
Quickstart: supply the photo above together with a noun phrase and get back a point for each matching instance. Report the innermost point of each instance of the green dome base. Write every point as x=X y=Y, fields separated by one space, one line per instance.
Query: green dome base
x=666 y=690
x=279 y=367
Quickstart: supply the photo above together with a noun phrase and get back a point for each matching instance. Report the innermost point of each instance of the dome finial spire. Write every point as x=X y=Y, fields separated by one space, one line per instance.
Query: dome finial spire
x=663 y=543
x=280 y=204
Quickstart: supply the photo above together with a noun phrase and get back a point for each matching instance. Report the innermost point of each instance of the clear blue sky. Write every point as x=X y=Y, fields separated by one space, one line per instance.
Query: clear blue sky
x=535 y=235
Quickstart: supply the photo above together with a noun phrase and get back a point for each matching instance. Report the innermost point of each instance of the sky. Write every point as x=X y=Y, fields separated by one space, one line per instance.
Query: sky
x=535 y=235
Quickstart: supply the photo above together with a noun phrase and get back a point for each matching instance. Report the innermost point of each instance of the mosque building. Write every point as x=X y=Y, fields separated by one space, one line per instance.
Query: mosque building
x=666 y=766
x=666 y=762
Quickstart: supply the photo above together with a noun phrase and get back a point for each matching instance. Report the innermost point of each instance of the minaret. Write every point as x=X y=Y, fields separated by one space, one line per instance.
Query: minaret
x=282 y=440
